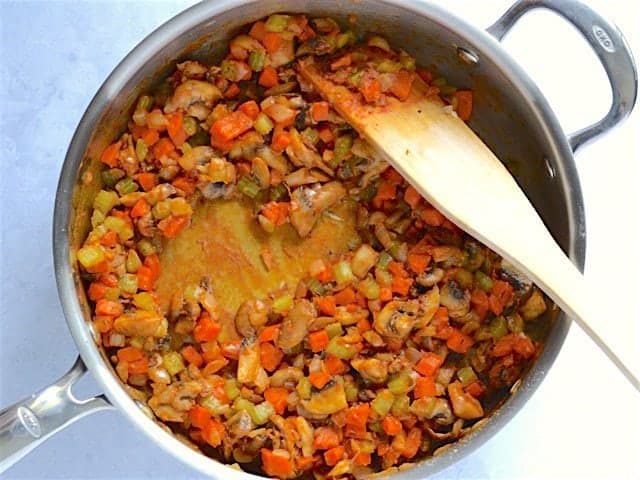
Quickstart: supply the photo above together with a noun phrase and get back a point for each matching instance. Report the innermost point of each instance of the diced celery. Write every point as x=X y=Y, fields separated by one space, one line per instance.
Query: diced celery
x=311 y=134
x=316 y=287
x=229 y=70
x=190 y=125
x=398 y=250
x=498 y=327
x=346 y=38
x=105 y=200
x=200 y=138
x=277 y=23
x=401 y=383
x=342 y=272
x=464 y=278
x=256 y=60
x=283 y=303
x=384 y=260
x=423 y=407
x=214 y=405
x=248 y=187
x=173 y=363
x=369 y=288
x=483 y=281
x=112 y=293
x=161 y=210
x=262 y=412
x=141 y=149
x=97 y=217
x=341 y=349
x=341 y=149
x=179 y=206
x=334 y=329
x=383 y=402
x=137 y=342
x=367 y=193
x=400 y=405
x=379 y=42
x=263 y=124
x=120 y=226
x=128 y=283
x=126 y=185
x=146 y=247
x=144 y=301
x=439 y=82
x=407 y=62
x=466 y=375
x=133 y=262
x=111 y=176
x=90 y=256
x=145 y=102
x=384 y=277
x=231 y=388
x=351 y=391
x=388 y=66
x=363 y=259
x=304 y=388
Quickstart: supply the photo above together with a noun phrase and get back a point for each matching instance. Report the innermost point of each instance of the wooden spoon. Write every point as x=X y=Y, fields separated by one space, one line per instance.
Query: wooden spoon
x=457 y=173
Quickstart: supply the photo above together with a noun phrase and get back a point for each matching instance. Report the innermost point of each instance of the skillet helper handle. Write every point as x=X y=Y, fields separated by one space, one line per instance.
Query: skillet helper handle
x=31 y=421
x=609 y=45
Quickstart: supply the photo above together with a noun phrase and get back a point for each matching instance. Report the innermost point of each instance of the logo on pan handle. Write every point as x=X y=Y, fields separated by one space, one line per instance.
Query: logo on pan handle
x=603 y=38
x=29 y=421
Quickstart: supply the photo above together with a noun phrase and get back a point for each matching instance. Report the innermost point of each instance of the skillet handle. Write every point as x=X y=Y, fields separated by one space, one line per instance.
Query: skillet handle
x=31 y=421
x=608 y=44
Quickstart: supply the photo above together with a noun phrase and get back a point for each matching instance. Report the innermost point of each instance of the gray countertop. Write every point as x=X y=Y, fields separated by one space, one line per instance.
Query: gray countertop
x=53 y=57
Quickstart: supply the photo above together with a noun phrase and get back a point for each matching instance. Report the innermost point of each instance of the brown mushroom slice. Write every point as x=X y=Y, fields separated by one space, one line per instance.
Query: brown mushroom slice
x=308 y=203
x=330 y=400
x=464 y=405
x=296 y=324
x=251 y=315
x=456 y=299
x=397 y=319
x=522 y=285
x=534 y=306
x=371 y=369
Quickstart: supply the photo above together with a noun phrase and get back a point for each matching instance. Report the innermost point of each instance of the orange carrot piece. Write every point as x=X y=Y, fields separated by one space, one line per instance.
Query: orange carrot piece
x=213 y=432
x=110 y=155
x=345 y=296
x=268 y=77
x=97 y=290
x=319 y=379
x=277 y=463
x=391 y=425
x=325 y=438
x=277 y=396
x=258 y=30
x=146 y=180
x=185 y=184
x=318 y=341
x=432 y=217
x=153 y=262
x=270 y=356
x=425 y=387
x=109 y=307
x=280 y=141
x=192 y=356
x=232 y=91
x=464 y=108
x=140 y=208
x=109 y=239
x=229 y=127
x=276 y=212
x=429 y=364
x=130 y=354
x=199 y=416
x=401 y=87
x=163 y=148
x=173 y=225
x=334 y=455
x=326 y=305
x=418 y=263
x=207 y=329
x=480 y=303
x=145 y=278
x=325 y=134
x=250 y=109
x=175 y=128
x=139 y=366
x=370 y=89
x=386 y=294
x=150 y=136
x=459 y=342
x=412 y=197
x=319 y=111
x=356 y=420
x=401 y=285
x=272 y=41
x=334 y=366
x=269 y=333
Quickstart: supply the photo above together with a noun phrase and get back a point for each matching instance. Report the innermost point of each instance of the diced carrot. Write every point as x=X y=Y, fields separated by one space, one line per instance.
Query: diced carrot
x=500 y=295
x=210 y=351
x=334 y=366
x=276 y=212
x=277 y=463
x=229 y=127
x=139 y=367
x=270 y=356
x=318 y=341
x=356 y=420
x=199 y=416
x=345 y=296
x=150 y=136
x=280 y=141
x=277 y=396
x=213 y=432
x=258 y=30
x=110 y=155
x=401 y=285
x=207 y=329
x=391 y=425
x=272 y=41
x=269 y=334
x=362 y=458
x=319 y=111
x=163 y=148
x=480 y=303
x=517 y=342
x=305 y=463
x=250 y=109
x=412 y=443
x=363 y=325
x=412 y=197
x=97 y=290
x=392 y=176
x=268 y=77
x=145 y=278
x=130 y=354
x=325 y=134
x=192 y=356
x=386 y=294
x=326 y=305
x=477 y=389
x=325 y=438
x=109 y=239
x=459 y=342
x=418 y=263
x=343 y=61
x=425 y=75
x=464 y=107
x=146 y=180
x=432 y=217
x=109 y=307
x=386 y=191
x=140 y=209
x=185 y=184
x=429 y=364
x=334 y=455
x=401 y=87
x=370 y=89
x=425 y=387
x=175 y=128
x=319 y=379
x=232 y=91
x=153 y=262
x=173 y=225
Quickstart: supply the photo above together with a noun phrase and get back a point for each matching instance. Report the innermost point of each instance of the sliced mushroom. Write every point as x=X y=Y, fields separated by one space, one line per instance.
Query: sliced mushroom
x=397 y=319
x=430 y=277
x=371 y=369
x=522 y=285
x=191 y=92
x=456 y=299
x=301 y=155
x=308 y=203
x=534 y=306
x=296 y=324
x=330 y=400
x=239 y=425
x=464 y=405
x=251 y=315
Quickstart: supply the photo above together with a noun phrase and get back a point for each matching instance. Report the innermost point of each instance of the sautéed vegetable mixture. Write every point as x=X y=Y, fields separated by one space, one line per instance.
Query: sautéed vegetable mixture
x=379 y=355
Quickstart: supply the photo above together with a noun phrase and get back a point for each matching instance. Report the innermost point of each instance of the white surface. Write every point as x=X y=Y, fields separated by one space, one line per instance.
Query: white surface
x=584 y=421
